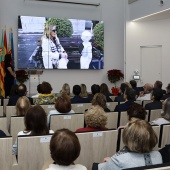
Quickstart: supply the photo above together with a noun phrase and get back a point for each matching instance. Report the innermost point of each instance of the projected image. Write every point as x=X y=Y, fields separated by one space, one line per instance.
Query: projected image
x=60 y=43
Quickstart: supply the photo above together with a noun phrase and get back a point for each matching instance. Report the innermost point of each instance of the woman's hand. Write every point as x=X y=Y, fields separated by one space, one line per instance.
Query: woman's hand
x=106 y=159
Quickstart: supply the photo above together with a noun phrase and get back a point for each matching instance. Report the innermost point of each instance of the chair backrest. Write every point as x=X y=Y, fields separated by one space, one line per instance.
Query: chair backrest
x=112 y=118
x=80 y=107
x=3 y=125
x=33 y=151
x=47 y=108
x=123 y=118
x=138 y=102
x=154 y=114
x=1 y=110
x=156 y=128
x=112 y=105
x=17 y=125
x=6 y=157
x=164 y=135
x=144 y=102
x=68 y=121
x=10 y=111
x=5 y=102
x=112 y=97
x=95 y=146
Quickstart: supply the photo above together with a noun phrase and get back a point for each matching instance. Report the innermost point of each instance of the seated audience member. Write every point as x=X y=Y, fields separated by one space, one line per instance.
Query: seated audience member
x=13 y=91
x=120 y=97
x=22 y=106
x=167 y=95
x=95 y=88
x=158 y=84
x=38 y=90
x=100 y=99
x=105 y=90
x=84 y=92
x=95 y=119
x=129 y=96
x=145 y=95
x=35 y=124
x=62 y=106
x=134 y=86
x=165 y=116
x=156 y=96
x=77 y=98
x=46 y=97
x=21 y=91
x=65 y=89
x=139 y=139
x=128 y=84
x=65 y=149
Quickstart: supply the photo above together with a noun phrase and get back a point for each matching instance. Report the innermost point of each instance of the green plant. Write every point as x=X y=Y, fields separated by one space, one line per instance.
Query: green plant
x=64 y=26
x=99 y=35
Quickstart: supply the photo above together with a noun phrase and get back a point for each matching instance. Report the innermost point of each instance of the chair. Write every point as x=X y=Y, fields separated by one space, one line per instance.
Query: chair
x=69 y=121
x=112 y=97
x=80 y=107
x=17 y=125
x=95 y=146
x=112 y=105
x=164 y=135
x=33 y=152
x=138 y=102
x=47 y=108
x=123 y=118
x=112 y=118
x=10 y=111
x=5 y=102
x=1 y=111
x=154 y=114
x=3 y=125
x=156 y=129
x=144 y=102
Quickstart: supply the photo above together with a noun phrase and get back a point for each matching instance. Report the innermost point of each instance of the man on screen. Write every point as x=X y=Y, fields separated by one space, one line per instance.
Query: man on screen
x=52 y=50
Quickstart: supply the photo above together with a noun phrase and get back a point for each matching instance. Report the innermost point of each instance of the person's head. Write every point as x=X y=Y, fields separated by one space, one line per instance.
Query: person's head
x=123 y=86
x=13 y=90
x=95 y=117
x=156 y=94
x=166 y=109
x=22 y=90
x=76 y=90
x=158 y=84
x=64 y=147
x=46 y=88
x=50 y=31
x=83 y=90
x=168 y=88
x=130 y=94
x=129 y=85
x=133 y=83
x=136 y=111
x=99 y=99
x=66 y=89
x=95 y=88
x=139 y=136
x=22 y=106
x=7 y=58
x=63 y=104
x=39 y=90
x=86 y=36
x=104 y=88
x=36 y=121
x=147 y=88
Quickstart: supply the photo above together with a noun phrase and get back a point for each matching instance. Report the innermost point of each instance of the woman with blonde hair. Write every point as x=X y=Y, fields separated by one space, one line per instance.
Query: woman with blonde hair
x=66 y=89
x=139 y=139
x=22 y=106
x=84 y=92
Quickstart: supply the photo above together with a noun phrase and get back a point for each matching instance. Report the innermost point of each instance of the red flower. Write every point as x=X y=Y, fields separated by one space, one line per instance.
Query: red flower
x=114 y=75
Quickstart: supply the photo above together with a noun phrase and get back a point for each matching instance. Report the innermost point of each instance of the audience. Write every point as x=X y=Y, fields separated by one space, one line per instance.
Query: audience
x=46 y=97
x=100 y=99
x=22 y=106
x=66 y=89
x=95 y=88
x=120 y=97
x=165 y=117
x=65 y=149
x=156 y=96
x=84 y=92
x=105 y=90
x=139 y=139
x=77 y=98
x=129 y=96
x=62 y=106
x=35 y=124
x=134 y=86
x=38 y=90
x=95 y=119
x=13 y=91
x=158 y=84
x=21 y=91
x=145 y=95
x=167 y=95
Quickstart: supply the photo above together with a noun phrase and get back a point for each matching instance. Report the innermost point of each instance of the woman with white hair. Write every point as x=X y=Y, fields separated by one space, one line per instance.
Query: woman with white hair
x=52 y=50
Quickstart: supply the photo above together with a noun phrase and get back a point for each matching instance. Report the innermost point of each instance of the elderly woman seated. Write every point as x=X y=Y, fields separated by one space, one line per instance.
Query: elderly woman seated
x=95 y=119
x=139 y=139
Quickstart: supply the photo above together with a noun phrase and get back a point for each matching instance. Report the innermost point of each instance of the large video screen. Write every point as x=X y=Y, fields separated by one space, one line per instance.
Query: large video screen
x=60 y=43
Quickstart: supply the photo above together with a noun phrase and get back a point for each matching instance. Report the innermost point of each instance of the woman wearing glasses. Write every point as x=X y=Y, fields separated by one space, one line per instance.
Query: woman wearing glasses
x=52 y=51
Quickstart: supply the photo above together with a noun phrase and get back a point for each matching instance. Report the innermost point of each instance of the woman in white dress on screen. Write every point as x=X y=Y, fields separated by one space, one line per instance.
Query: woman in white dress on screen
x=86 y=53
x=52 y=50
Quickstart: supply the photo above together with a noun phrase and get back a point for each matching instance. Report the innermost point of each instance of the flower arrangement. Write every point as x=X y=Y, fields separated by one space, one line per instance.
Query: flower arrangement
x=115 y=75
x=21 y=76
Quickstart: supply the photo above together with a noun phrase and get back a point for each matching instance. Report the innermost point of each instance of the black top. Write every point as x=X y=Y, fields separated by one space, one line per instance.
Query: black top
x=8 y=74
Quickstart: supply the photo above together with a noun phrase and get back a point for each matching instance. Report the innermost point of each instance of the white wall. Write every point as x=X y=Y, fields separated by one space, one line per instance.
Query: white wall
x=110 y=11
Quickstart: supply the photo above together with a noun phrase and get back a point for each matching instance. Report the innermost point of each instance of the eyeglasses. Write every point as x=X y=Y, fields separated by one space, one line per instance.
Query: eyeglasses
x=53 y=30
